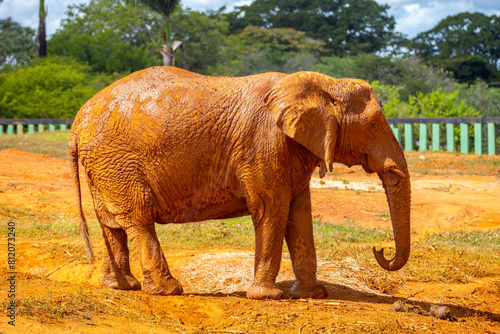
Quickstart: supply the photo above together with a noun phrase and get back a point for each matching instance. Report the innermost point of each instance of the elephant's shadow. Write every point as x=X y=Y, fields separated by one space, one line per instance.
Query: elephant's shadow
x=341 y=292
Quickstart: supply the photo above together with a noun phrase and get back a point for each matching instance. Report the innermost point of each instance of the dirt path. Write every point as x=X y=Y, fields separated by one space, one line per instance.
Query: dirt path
x=449 y=193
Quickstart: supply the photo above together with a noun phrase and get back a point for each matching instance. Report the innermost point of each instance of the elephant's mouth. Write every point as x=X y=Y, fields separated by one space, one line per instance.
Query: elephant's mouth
x=388 y=165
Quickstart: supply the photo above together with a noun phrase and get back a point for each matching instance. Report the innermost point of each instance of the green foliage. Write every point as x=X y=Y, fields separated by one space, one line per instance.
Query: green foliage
x=257 y=50
x=481 y=97
x=204 y=36
x=337 y=67
x=109 y=36
x=18 y=43
x=164 y=7
x=434 y=104
x=389 y=97
x=466 y=43
x=468 y=69
x=439 y=104
x=333 y=37
x=346 y=27
x=49 y=88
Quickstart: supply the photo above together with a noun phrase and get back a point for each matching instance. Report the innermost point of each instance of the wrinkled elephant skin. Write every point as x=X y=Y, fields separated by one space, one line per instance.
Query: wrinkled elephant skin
x=164 y=145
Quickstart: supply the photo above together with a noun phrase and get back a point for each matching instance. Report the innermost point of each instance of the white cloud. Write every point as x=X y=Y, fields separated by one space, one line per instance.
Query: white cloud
x=25 y=12
x=417 y=18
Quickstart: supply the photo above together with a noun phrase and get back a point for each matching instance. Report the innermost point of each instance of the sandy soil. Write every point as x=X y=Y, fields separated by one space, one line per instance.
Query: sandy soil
x=449 y=192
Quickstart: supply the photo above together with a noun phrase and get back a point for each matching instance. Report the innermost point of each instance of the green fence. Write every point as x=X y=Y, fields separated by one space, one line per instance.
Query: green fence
x=20 y=126
x=463 y=134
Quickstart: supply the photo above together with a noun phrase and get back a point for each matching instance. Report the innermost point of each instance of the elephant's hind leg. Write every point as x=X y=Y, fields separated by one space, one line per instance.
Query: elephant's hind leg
x=116 y=267
x=157 y=277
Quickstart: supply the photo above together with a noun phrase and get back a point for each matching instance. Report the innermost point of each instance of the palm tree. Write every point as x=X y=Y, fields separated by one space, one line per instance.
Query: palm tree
x=40 y=38
x=165 y=8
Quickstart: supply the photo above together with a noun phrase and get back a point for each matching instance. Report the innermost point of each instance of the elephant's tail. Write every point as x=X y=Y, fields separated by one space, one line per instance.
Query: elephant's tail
x=73 y=158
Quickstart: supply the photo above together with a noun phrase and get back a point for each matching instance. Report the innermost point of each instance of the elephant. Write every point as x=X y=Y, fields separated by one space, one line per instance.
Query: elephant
x=165 y=145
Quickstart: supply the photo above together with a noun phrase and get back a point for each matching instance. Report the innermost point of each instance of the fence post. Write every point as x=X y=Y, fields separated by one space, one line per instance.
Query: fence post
x=31 y=128
x=423 y=137
x=397 y=133
x=40 y=128
x=436 y=137
x=1 y=129
x=62 y=127
x=478 y=138
x=408 y=138
x=19 y=129
x=464 y=138
x=491 y=138
x=52 y=127
x=450 y=137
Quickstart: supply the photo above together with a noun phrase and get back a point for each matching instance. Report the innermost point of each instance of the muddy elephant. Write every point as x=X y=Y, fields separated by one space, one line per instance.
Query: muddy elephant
x=168 y=146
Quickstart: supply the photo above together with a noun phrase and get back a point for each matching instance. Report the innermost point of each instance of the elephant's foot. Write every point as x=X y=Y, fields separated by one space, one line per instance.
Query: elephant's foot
x=308 y=290
x=264 y=292
x=120 y=281
x=165 y=286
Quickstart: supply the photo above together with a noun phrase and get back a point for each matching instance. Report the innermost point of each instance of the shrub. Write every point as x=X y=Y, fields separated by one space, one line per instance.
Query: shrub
x=49 y=88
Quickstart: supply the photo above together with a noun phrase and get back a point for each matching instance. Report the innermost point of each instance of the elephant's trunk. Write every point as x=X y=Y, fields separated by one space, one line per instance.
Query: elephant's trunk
x=398 y=191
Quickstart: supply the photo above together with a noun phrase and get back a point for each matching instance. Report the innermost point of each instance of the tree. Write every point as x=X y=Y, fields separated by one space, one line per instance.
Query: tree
x=165 y=8
x=257 y=50
x=109 y=36
x=41 y=40
x=205 y=38
x=347 y=27
x=18 y=44
x=470 y=40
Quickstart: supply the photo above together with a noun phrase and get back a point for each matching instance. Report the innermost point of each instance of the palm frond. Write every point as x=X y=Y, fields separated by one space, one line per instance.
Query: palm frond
x=164 y=7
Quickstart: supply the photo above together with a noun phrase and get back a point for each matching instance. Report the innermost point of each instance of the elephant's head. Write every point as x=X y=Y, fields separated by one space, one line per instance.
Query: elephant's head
x=340 y=120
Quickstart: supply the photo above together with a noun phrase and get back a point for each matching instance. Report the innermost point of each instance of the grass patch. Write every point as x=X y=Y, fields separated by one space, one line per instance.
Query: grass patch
x=13 y=213
x=237 y=233
x=55 y=226
x=54 y=144
x=485 y=240
x=327 y=234
x=455 y=257
x=384 y=215
x=59 y=228
x=482 y=161
x=52 y=308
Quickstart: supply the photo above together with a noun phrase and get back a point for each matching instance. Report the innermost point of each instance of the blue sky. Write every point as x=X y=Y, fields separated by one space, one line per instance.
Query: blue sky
x=412 y=16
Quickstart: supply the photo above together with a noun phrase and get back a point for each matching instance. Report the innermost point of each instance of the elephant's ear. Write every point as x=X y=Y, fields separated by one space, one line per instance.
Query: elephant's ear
x=305 y=111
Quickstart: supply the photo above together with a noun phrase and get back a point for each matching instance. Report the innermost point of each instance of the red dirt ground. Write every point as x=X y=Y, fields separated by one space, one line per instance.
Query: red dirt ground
x=449 y=192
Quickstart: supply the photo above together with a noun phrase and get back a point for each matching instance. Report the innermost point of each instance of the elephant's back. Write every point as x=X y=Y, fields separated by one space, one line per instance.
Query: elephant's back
x=163 y=111
x=164 y=96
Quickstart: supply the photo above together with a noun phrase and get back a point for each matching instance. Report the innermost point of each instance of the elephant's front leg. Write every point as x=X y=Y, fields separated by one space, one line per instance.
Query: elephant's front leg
x=269 y=223
x=157 y=277
x=299 y=239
